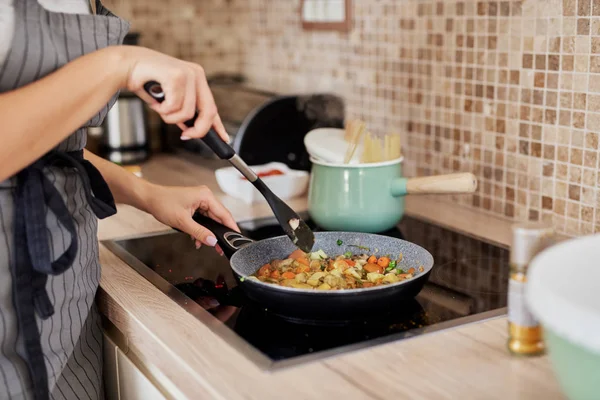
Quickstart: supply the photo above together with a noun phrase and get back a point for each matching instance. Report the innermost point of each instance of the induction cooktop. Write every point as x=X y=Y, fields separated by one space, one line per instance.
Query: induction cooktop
x=468 y=283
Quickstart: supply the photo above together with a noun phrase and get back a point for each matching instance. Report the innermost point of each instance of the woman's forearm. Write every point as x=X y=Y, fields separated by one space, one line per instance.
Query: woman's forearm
x=37 y=117
x=125 y=186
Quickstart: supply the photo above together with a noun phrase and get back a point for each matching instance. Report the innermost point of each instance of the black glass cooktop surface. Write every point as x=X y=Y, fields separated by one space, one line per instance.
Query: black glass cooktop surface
x=468 y=283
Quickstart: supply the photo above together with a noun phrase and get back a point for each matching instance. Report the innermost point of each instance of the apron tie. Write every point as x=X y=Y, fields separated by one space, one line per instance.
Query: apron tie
x=33 y=259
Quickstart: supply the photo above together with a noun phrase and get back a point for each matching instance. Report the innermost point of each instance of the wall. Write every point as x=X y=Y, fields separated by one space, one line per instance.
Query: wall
x=507 y=89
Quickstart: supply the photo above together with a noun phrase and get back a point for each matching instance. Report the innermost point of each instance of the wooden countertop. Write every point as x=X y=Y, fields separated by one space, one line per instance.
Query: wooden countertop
x=181 y=352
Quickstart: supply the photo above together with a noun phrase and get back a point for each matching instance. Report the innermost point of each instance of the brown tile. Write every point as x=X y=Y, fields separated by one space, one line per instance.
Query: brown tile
x=550 y=117
x=579 y=120
x=554 y=45
x=595 y=7
x=539 y=79
x=537 y=114
x=591 y=140
x=576 y=157
x=540 y=61
x=565 y=118
x=584 y=7
x=534 y=215
x=553 y=62
x=589 y=177
x=595 y=64
x=538 y=97
x=594 y=84
x=568 y=63
x=579 y=101
x=546 y=203
x=569 y=7
x=551 y=99
x=548 y=169
x=596 y=45
x=587 y=213
x=590 y=159
x=568 y=43
x=549 y=151
x=562 y=154
x=552 y=81
x=509 y=210
x=574 y=192
x=562 y=171
x=536 y=149
x=583 y=26
x=593 y=102
x=582 y=63
x=536 y=132
x=527 y=61
x=573 y=209
x=566 y=99
x=559 y=206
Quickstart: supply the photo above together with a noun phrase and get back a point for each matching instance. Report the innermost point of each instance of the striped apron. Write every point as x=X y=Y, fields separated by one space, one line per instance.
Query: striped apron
x=50 y=336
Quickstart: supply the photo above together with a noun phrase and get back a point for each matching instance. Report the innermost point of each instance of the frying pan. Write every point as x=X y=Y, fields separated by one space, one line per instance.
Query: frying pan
x=247 y=256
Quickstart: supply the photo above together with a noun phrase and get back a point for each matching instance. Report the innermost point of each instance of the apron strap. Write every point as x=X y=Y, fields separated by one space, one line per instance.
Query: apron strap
x=33 y=259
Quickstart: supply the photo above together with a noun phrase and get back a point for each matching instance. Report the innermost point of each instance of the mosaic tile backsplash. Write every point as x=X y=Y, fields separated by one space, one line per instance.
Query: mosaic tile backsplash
x=509 y=90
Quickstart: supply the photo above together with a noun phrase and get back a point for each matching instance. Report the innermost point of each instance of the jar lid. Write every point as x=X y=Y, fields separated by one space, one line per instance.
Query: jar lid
x=562 y=290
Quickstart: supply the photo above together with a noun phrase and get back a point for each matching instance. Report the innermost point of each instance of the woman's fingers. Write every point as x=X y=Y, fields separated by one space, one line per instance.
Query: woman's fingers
x=188 y=107
x=197 y=231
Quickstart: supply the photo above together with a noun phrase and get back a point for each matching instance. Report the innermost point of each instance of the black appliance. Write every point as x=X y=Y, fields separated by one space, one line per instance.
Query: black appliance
x=469 y=282
x=264 y=126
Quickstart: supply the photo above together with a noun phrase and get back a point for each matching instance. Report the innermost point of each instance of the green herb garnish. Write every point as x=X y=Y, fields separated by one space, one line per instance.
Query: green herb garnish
x=242 y=279
x=391 y=266
x=339 y=242
x=360 y=247
x=348 y=254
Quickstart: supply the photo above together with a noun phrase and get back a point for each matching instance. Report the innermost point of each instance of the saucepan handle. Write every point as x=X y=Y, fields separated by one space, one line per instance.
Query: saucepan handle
x=229 y=240
x=440 y=184
x=212 y=138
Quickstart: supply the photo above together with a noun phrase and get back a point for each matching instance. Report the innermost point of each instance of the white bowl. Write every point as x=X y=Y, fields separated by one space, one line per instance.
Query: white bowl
x=291 y=184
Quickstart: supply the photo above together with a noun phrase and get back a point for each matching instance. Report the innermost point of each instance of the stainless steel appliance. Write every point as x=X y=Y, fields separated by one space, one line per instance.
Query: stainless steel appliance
x=124 y=137
x=469 y=282
x=125 y=131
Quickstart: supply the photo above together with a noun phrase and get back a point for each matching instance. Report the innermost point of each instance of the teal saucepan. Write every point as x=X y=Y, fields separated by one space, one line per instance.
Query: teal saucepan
x=370 y=197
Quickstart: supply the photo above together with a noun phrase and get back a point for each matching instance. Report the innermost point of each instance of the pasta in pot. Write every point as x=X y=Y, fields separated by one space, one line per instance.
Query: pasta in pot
x=319 y=271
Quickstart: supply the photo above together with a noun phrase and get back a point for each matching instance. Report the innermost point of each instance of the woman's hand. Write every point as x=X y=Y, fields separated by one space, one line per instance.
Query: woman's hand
x=175 y=206
x=185 y=87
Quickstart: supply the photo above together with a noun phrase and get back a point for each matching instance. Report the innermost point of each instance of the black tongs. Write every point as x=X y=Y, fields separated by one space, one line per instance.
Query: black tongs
x=293 y=226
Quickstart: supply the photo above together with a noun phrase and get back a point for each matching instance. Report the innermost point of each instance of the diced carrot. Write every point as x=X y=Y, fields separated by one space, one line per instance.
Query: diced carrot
x=350 y=262
x=302 y=268
x=303 y=260
x=421 y=269
x=367 y=284
x=411 y=270
x=265 y=270
x=296 y=254
x=383 y=262
x=373 y=268
x=275 y=274
x=288 y=275
x=372 y=260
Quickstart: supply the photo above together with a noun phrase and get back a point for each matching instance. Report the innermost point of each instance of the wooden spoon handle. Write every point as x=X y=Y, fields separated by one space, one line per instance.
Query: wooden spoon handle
x=451 y=183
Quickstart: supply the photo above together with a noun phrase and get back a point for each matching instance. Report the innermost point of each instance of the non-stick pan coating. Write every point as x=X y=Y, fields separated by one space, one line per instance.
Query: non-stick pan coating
x=315 y=304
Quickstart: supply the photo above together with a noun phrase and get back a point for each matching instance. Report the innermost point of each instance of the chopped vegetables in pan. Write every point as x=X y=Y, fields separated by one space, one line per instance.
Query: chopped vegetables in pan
x=319 y=271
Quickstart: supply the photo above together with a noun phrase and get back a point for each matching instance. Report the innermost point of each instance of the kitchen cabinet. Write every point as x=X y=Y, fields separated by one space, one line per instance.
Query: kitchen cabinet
x=123 y=378
x=133 y=384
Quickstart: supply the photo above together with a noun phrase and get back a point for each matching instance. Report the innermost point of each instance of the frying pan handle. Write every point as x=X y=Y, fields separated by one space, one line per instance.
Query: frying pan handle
x=212 y=138
x=229 y=240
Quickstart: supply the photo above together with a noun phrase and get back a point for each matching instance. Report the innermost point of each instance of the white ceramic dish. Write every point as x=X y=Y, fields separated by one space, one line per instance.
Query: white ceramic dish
x=291 y=184
x=329 y=145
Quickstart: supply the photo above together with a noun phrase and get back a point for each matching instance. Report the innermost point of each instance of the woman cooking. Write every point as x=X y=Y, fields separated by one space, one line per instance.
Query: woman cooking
x=61 y=66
